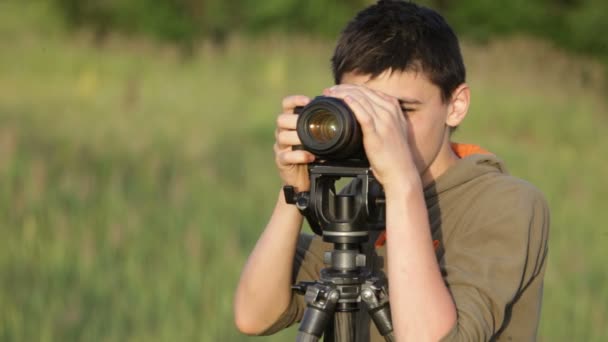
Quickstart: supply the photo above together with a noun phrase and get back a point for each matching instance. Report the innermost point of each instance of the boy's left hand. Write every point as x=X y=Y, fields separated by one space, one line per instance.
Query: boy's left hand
x=385 y=132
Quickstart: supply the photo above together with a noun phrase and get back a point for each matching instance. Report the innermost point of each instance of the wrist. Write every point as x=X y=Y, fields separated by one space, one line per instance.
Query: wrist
x=402 y=186
x=283 y=205
x=299 y=186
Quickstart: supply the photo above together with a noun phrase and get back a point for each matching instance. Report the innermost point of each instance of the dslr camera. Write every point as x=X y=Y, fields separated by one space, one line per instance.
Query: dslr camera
x=328 y=128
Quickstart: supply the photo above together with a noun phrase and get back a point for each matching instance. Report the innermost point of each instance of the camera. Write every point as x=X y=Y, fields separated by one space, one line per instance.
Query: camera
x=328 y=129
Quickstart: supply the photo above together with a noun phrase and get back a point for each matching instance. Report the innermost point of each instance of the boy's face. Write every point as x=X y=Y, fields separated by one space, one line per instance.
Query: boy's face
x=426 y=113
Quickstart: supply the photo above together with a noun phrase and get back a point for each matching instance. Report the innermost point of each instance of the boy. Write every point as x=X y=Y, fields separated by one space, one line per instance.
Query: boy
x=465 y=244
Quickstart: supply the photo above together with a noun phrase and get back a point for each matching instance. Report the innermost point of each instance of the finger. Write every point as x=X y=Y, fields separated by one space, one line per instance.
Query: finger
x=288 y=157
x=343 y=91
x=288 y=138
x=377 y=99
x=365 y=119
x=290 y=102
x=287 y=121
x=394 y=103
x=382 y=100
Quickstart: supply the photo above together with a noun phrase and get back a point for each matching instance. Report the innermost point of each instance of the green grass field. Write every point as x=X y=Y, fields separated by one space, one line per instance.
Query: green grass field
x=133 y=183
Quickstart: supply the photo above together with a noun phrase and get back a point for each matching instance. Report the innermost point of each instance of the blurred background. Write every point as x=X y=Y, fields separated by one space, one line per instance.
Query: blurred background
x=136 y=165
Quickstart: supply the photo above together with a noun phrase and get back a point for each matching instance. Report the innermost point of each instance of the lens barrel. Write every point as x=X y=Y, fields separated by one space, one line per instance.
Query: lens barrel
x=328 y=129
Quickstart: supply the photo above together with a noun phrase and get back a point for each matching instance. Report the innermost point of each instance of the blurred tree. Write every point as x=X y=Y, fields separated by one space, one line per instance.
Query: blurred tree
x=574 y=24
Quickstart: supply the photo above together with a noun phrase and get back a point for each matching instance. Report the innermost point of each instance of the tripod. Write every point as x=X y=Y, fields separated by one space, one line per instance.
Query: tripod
x=345 y=220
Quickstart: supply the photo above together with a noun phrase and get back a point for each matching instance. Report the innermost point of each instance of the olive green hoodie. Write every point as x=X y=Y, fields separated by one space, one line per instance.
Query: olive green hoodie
x=490 y=232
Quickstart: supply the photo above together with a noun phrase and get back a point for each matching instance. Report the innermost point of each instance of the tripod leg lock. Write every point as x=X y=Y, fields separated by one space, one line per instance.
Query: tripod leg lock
x=322 y=297
x=321 y=300
x=374 y=294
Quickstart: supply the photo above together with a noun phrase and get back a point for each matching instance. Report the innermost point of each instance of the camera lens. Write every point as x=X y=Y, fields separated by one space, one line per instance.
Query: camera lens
x=323 y=126
x=328 y=129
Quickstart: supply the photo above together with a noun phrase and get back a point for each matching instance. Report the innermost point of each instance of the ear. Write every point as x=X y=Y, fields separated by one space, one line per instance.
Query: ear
x=459 y=105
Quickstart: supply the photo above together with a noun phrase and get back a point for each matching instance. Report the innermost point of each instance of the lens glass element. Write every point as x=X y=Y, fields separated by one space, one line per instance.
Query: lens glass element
x=323 y=126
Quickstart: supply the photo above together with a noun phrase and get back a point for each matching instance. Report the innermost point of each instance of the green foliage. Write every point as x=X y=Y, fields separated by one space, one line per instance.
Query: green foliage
x=586 y=26
x=172 y=20
x=484 y=18
x=574 y=24
x=184 y=20
x=317 y=17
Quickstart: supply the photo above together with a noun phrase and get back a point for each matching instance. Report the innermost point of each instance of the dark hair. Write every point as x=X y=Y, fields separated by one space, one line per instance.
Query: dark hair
x=400 y=36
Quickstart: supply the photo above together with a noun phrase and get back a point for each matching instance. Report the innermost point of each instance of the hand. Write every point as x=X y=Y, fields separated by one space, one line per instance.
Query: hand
x=291 y=164
x=384 y=128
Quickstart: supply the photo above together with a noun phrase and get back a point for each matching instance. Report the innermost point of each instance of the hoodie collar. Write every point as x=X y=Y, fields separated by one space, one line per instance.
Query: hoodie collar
x=474 y=162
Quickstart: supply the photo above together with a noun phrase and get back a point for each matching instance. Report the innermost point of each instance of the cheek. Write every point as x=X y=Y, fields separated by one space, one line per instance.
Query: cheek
x=425 y=138
x=417 y=138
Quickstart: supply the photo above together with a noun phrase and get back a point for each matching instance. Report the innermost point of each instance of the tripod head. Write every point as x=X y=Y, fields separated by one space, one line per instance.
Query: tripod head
x=346 y=217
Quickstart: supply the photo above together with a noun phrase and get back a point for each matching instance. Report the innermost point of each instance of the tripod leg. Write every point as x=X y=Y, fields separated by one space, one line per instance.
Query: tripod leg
x=319 y=312
x=345 y=327
x=375 y=295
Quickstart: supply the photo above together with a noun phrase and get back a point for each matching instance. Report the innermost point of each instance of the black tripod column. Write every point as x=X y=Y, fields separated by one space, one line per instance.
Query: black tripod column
x=321 y=300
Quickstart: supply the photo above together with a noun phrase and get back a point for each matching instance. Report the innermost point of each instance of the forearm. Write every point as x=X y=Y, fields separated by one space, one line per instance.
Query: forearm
x=264 y=290
x=421 y=305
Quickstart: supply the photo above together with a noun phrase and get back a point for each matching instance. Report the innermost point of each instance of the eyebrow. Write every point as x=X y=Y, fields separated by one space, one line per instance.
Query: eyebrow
x=404 y=101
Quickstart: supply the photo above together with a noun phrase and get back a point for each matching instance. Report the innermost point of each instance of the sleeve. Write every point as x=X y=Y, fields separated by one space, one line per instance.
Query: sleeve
x=307 y=265
x=489 y=262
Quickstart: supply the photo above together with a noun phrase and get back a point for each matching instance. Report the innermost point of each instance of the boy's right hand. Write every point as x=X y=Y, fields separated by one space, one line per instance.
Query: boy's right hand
x=292 y=164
